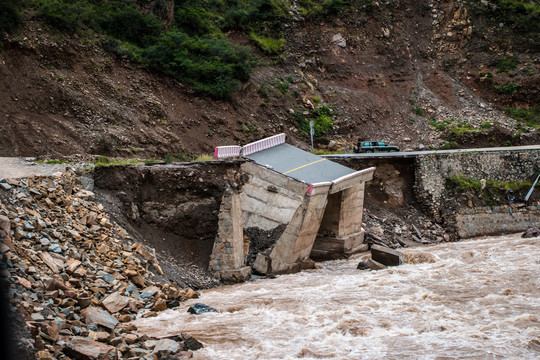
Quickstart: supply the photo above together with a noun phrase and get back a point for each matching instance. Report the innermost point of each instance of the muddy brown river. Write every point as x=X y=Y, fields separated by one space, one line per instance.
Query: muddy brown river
x=477 y=299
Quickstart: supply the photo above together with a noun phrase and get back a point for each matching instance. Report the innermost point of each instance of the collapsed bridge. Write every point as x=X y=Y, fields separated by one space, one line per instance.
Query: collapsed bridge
x=316 y=203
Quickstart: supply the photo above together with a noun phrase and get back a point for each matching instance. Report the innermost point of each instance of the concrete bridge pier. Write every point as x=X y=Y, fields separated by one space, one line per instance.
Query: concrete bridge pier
x=227 y=261
x=291 y=252
x=341 y=233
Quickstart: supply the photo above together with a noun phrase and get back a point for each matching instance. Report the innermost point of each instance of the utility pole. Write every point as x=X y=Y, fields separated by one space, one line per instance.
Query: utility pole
x=311 y=132
x=532 y=188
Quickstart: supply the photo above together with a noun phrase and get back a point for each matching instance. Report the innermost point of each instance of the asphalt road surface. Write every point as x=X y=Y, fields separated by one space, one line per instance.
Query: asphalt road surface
x=425 y=152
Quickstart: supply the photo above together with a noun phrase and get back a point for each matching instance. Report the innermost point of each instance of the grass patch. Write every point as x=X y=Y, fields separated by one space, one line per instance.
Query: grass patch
x=327 y=152
x=506 y=63
x=439 y=125
x=101 y=161
x=204 y=157
x=508 y=88
x=494 y=190
x=460 y=130
x=530 y=117
x=178 y=157
x=268 y=45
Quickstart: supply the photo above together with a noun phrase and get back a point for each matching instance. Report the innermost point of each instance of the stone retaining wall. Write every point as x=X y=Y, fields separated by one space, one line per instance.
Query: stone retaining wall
x=432 y=170
x=497 y=220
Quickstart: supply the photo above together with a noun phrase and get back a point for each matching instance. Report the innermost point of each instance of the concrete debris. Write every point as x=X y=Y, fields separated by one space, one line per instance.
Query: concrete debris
x=386 y=256
x=77 y=279
x=531 y=232
x=375 y=265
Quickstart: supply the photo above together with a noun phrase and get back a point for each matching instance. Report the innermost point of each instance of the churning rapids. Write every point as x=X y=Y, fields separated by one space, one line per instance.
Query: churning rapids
x=477 y=299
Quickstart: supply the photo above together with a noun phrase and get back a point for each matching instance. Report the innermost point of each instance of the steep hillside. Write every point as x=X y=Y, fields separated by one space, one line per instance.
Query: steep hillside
x=417 y=74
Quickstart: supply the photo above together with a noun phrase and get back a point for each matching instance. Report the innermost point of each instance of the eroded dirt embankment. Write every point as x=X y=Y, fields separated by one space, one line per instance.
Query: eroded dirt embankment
x=173 y=208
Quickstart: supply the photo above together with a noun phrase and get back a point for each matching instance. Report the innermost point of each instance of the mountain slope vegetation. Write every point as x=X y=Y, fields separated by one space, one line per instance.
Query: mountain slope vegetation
x=162 y=77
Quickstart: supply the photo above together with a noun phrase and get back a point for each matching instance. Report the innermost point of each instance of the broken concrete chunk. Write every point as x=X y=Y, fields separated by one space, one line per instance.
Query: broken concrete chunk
x=386 y=256
x=374 y=265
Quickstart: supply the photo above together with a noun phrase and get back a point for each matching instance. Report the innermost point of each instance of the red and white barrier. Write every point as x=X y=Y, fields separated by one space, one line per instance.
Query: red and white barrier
x=227 y=151
x=313 y=187
x=263 y=144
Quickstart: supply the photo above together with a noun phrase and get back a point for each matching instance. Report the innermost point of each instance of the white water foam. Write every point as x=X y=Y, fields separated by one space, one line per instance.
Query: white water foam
x=477 y=299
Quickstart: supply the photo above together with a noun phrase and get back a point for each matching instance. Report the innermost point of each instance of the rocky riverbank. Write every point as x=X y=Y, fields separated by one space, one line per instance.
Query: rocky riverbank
x=76 y=279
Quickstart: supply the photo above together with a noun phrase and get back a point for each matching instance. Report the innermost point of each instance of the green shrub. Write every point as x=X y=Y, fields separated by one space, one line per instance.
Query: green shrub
x=419 y=111
x=213 y=66
x=531 y=117
x=508 y=88
x=469 y=184
x=67 y=16
x=10 y=17
x=521 y=17
x=464 y=183
x=281 y=85
x=486 y=125
x=196 y=21
x=506 y=63
x=335 y=7
x=244 y=14
x=268 y=45
x=127 y=23
x=178 y=157
x=322 y=120
x=459 y=130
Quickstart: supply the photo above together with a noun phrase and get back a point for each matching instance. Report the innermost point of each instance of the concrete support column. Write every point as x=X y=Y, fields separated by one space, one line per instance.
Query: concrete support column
x=291 y=252
x=227 y=261
x=341 y=232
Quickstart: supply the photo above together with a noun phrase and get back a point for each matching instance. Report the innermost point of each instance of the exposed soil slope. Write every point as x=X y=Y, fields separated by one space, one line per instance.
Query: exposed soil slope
x=387 y=74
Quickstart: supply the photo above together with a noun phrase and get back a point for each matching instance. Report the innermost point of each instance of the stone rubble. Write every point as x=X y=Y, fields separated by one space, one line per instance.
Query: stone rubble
x=77 y=278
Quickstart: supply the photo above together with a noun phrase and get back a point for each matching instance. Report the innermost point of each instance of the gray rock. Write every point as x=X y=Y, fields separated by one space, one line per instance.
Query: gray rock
x=55 y=248
x=165 y=347
x=28 y=226
x=199 y=308
x=149 y=292
x=531 y=232
x=362 y=265
x=191 y=343
x=87 y=183
x=94 y=315
x=106 y=276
